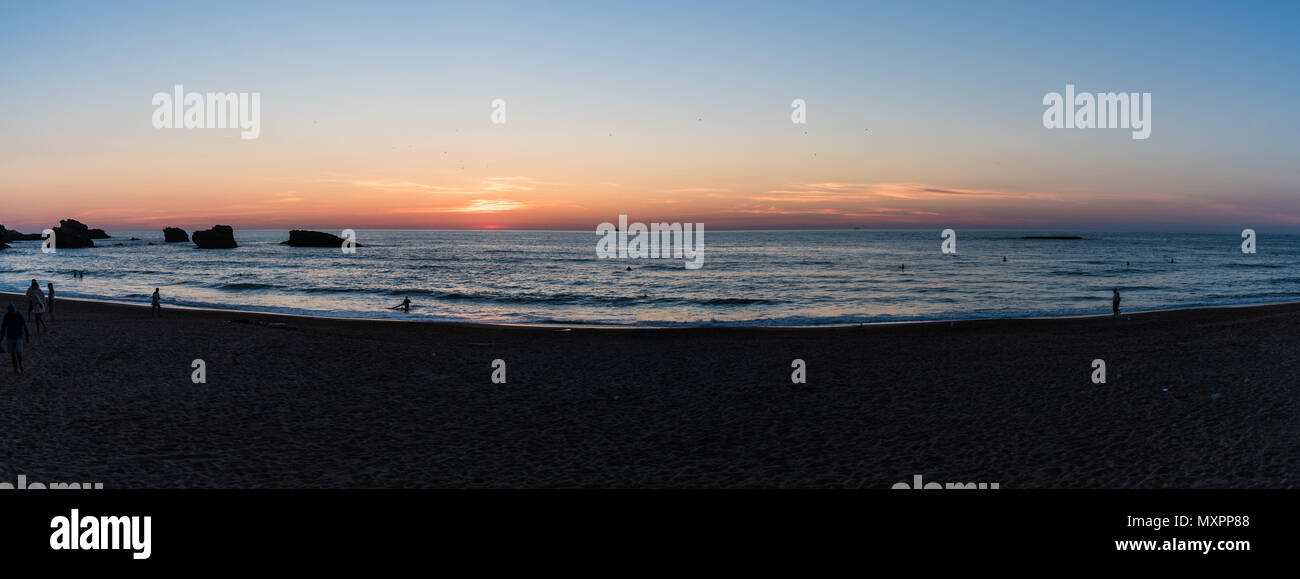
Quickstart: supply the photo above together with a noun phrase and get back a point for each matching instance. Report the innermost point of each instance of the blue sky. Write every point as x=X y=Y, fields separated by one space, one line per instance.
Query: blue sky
x=658 y=98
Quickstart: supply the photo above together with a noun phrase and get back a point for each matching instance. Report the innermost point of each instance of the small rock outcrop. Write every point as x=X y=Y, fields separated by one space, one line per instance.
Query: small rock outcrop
x=99 y=234
x=219 y=237
x=303 y=238
x=175 y=235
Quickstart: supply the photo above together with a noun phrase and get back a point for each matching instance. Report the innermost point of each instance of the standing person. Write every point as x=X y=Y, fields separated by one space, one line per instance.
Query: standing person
x=49 y=302
x=36 y=305
x=155 y=308
x=1114 y=302
x=404 y=306
x=14 y=329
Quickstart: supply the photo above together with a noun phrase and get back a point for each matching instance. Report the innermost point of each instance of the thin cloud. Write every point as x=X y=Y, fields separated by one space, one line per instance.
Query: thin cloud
x=507 y=184
x=816 y=192
x=514 y=184
x=699 y=190
x=397 y=186
x=488 y=206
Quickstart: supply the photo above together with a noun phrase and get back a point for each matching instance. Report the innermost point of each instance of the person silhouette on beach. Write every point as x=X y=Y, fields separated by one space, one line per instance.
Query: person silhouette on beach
x=155 y=304
x=36 y=305
x=49 y=302
x=902 y=267
x=405 y=306
x=1114 y=303
x=14 y=329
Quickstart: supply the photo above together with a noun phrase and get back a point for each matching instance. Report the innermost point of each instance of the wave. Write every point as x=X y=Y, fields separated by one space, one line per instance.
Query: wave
x=1253 y=295
x=1253 y=265
x=583 y=299
x=248 y=286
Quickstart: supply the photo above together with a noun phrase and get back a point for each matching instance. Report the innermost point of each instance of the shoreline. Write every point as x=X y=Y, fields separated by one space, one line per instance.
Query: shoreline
x=21 y=298
x=1200 y=398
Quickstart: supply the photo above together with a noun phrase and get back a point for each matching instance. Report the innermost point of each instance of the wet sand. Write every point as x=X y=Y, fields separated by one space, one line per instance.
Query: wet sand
x=1193 y=398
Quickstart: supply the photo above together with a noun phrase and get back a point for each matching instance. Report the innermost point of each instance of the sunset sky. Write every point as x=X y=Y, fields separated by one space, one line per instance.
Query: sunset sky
x=919 y=115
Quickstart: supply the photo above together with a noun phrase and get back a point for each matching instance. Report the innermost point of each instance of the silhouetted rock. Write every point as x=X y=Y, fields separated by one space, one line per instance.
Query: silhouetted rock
x=219 y=237
x=175 y=235
x=303 y=238
x=72 y=234
x=8 y=235
x=99 y=234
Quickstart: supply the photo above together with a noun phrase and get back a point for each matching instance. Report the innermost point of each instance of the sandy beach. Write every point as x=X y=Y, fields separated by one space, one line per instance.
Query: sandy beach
x=1193 y=398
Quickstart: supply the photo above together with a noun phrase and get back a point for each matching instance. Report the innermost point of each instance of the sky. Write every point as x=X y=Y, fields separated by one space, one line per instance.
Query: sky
x=918 y=114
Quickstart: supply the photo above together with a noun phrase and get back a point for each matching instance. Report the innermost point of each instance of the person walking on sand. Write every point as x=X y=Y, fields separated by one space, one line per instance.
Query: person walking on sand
x=49 y=302
x=1114 y=303
x=36 y=305
x=14 y=329
x=155 y=307
x=404 y=306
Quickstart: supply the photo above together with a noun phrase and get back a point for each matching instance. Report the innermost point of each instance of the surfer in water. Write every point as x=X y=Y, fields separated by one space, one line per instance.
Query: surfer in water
x=404 y=306
x=1114 y=303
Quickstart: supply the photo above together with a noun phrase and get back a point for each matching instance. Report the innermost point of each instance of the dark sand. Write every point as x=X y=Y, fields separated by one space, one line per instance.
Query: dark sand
x=338 y=403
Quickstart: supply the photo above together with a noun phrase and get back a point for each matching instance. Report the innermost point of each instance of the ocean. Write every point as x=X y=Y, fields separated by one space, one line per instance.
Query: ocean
x=766 y=278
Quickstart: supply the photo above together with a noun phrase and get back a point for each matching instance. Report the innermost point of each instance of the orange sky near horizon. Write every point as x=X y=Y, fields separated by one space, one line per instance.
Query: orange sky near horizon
x=480 y=180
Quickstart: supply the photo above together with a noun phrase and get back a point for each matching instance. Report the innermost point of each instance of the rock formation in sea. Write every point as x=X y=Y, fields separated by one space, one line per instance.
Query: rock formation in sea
x=72 y=234
x=175 y=235
x=219 y=237
x=10 y=235
x=99 y=234
x=304 y=238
